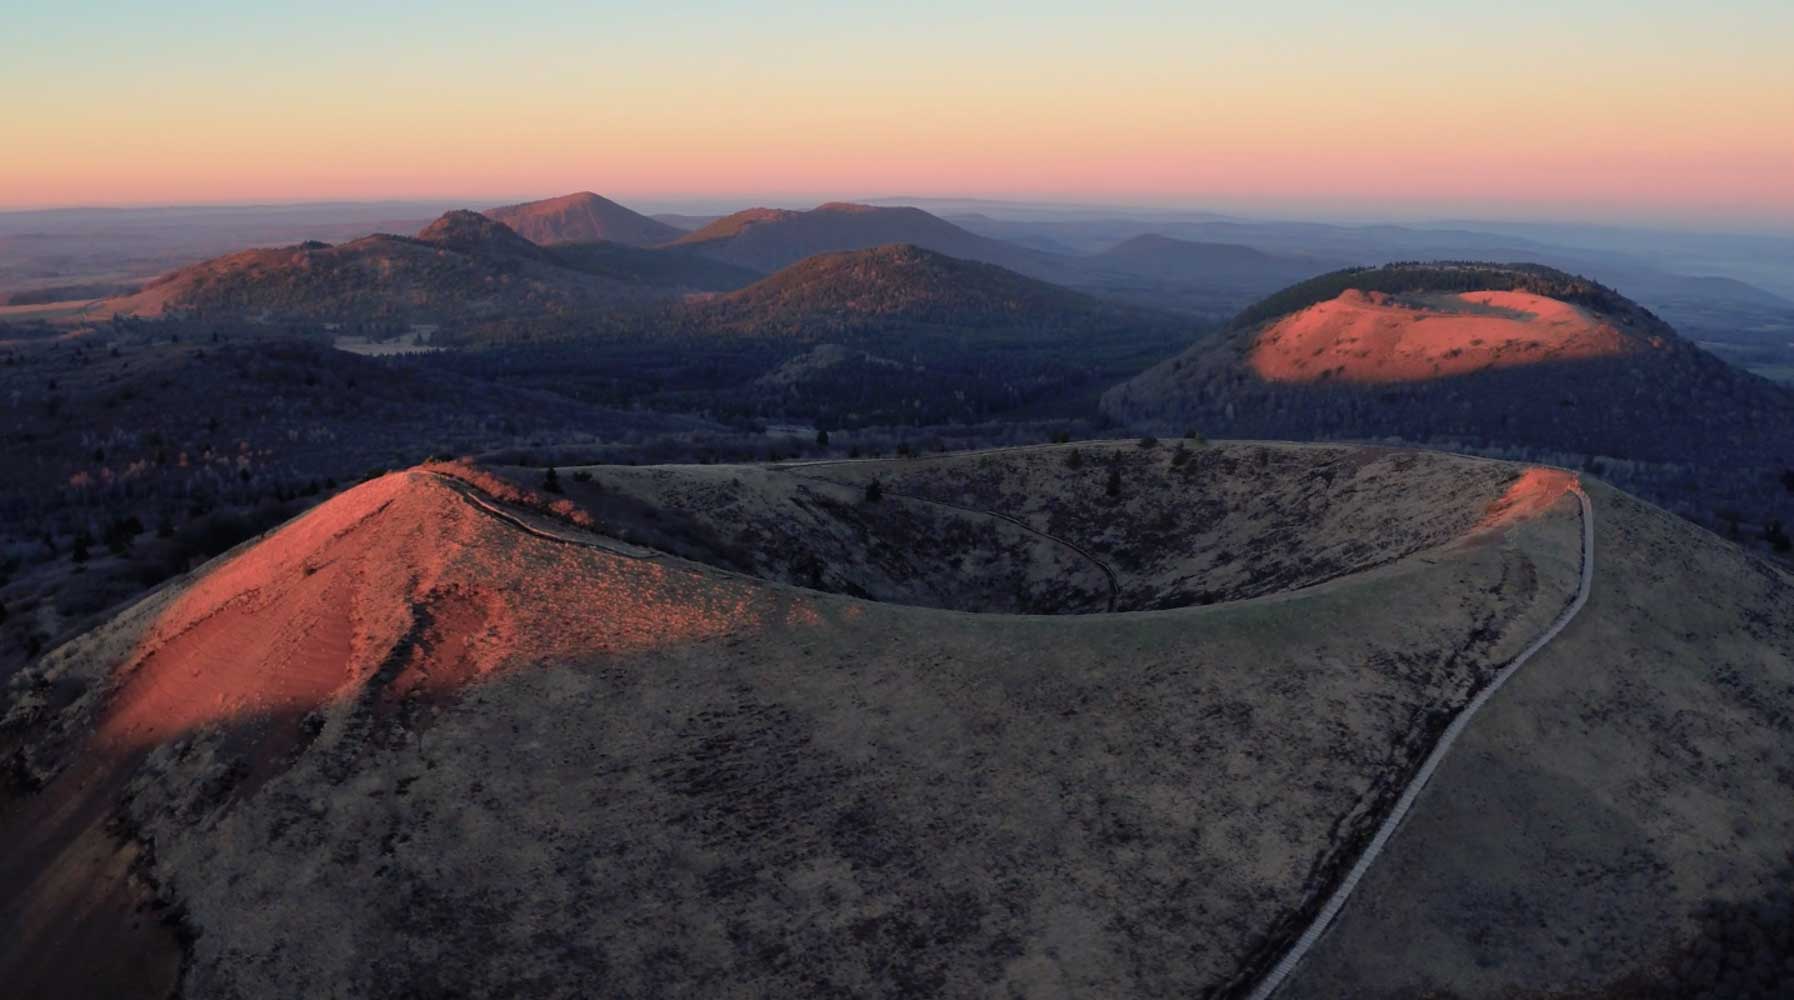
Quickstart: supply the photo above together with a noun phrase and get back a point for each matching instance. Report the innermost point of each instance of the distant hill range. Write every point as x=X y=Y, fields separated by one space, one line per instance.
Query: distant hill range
x=582 y=218
x=1160 y=272
x=581 y=258
x=463 y=270
x=894 y=334
x=767 y=239
x=1210 y=279
x=1153 y=255
x=1508 y=359
x=835 y=269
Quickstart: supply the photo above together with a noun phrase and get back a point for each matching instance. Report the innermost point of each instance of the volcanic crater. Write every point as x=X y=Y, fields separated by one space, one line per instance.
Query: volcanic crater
x=1076 y=529
x=645 y=702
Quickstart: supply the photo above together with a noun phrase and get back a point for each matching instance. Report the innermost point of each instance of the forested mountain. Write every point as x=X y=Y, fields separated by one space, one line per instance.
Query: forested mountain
x=906 y=284
x=464 y=272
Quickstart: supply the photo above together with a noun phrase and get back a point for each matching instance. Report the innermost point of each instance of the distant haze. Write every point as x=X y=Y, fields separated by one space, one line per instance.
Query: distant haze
x=1643 y=111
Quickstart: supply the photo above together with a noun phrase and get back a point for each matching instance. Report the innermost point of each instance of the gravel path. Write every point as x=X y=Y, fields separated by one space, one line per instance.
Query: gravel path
x=1300 y=949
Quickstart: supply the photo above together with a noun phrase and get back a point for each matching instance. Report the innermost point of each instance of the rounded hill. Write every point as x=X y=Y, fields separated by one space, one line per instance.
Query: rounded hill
x=583 y=217
x=1482 y=356
x=900 y=283
x=445 y=693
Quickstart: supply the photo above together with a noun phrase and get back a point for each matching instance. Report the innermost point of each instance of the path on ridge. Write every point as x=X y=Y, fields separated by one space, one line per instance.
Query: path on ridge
x=476 y=497
x=1403 y=805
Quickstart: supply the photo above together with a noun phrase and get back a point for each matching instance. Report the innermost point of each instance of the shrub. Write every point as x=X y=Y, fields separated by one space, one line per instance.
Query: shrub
x=551 y=480
x=875 y=491
x=1149 y=442
x=1114 y=486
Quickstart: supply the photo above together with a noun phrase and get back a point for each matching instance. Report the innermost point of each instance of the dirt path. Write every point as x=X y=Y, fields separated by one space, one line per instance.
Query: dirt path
x=1403 y=805
x=472 y=495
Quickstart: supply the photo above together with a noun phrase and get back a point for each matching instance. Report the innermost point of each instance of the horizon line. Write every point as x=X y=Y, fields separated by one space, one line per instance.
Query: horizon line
x=1266 y=211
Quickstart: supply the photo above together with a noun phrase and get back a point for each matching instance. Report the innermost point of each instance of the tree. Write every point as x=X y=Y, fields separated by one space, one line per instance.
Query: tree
x=1192 y=434
x=1777 y=536
x=1074 y=459
x=1730 y=518
x=822 y=439
x=551 y=480
x=875 y=491
x=1114 y=486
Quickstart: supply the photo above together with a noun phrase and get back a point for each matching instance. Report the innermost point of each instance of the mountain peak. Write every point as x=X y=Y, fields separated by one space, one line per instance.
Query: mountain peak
x=471 y=232
x=737 y=223
x=767 y=239
x=582 y=217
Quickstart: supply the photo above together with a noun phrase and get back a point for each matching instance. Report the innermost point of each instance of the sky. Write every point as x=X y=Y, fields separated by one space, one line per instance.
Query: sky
x=1593 y=110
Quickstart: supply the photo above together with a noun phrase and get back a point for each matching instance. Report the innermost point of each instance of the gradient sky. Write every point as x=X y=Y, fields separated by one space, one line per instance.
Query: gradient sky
x=1642 y=110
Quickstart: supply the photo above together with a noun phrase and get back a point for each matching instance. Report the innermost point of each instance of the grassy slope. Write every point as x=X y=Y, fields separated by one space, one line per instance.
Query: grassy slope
x=1639 y=768
x=869 y=799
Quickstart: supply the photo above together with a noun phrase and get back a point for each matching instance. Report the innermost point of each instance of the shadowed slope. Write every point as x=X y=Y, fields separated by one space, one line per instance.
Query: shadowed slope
x=1617 y=825
x=904 y=285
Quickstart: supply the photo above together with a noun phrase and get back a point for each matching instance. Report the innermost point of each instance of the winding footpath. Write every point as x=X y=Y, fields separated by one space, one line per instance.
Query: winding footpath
x=1403 y=805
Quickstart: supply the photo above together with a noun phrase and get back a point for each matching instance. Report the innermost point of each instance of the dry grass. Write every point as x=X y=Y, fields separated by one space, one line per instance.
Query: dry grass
x=828 y=796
